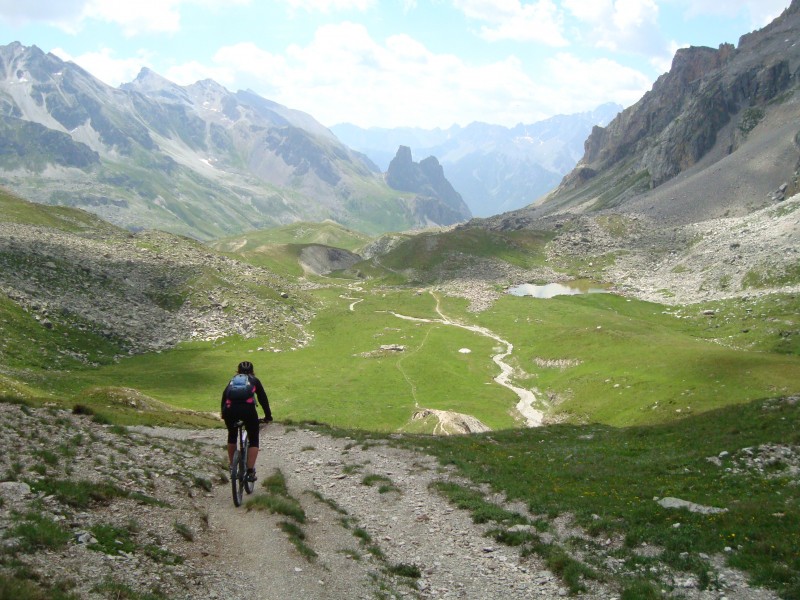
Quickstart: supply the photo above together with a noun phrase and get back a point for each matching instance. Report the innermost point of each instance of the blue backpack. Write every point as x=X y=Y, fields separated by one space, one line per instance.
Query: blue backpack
x=241 y=388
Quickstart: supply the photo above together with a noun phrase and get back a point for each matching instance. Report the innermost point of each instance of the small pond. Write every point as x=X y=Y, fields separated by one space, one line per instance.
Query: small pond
x=556 y=289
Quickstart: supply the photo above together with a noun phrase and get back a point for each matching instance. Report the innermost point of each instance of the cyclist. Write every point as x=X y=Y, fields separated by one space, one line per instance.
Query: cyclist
x=236 y=405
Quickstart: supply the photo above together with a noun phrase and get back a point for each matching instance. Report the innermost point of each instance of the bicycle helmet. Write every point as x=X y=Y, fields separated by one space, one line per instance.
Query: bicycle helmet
x=245 y=367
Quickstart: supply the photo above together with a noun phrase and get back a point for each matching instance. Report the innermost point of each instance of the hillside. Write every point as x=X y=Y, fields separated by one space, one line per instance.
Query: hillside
x=715 y=137
x=97 y=292
x=197 y=160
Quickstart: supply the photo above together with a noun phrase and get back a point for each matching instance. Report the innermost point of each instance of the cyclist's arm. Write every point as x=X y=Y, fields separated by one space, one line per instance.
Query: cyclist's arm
x=261 y=394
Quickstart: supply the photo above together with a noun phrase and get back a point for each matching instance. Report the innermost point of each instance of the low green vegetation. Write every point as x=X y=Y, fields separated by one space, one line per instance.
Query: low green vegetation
x=82 y=494
x=604 y=358
x=23 y=589
x=326 y=233
x=427 y=251
x=112 y=539
x=277 y=500
x=751 y=117
x=609 y=480
x=771 y=278
x=34 y=532
x=120 y=591
x=384 y=483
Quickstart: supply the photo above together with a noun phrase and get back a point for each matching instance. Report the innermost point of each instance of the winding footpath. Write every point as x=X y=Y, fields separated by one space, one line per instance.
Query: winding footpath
x=533 y=417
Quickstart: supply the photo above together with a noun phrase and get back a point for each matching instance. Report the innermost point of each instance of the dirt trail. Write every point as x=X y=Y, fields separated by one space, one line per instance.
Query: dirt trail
x=533 y=417
x=410 y=524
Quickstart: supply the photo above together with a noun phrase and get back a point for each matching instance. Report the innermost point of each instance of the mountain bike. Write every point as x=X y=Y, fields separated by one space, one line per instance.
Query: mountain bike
x=239 y=481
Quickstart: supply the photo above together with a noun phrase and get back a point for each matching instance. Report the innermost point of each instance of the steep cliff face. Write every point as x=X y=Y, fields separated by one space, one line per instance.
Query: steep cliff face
x=680 y=120
x=427 y=180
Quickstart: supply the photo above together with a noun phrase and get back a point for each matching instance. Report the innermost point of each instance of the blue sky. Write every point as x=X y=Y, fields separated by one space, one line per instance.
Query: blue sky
x=392 y=63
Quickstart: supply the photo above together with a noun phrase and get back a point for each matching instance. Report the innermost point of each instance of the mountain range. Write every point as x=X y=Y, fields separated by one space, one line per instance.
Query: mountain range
x=494 y=168
x=198 y=159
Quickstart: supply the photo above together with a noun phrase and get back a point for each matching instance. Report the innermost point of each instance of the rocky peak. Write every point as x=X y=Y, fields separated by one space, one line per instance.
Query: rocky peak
x=678 y=121
x=425 y=178
x=694 y=62
x=152 y=84
x=428 y=181
x=402 y=174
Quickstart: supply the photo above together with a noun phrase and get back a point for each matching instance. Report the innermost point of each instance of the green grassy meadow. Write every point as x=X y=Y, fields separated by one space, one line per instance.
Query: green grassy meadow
x=630 y=363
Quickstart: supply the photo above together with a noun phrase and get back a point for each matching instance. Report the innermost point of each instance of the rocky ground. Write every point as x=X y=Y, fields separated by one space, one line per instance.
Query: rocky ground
x=746 y=256
x=106 y=512
x=148 y=290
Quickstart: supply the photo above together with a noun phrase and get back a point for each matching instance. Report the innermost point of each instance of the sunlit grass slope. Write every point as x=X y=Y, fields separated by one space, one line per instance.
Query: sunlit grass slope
x=343 y=377
x=603 y=358
x=327 y=233
x=278 y=249
x=623 y=362
x=429 y=250
x=16 y=210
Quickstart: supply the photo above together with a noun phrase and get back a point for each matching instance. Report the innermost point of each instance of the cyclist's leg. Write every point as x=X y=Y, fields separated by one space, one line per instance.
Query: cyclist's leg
x=251 y=423
x=252 y=455
x=229 y=423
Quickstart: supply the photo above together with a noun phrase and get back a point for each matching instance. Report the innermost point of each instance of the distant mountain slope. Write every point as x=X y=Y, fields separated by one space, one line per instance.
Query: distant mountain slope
x=194 y=159
x=715 y=136
x=494 y=168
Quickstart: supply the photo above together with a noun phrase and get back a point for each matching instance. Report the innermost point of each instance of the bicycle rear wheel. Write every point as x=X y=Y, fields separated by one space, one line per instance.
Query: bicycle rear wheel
x=238 y=475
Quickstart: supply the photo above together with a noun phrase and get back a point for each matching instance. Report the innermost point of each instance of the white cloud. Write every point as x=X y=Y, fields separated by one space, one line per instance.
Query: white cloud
x=344 y=74
x=142 y=16
x=65 y=14
x=582 y=84
x=105 y=67
x=538 y=21
x=328 y=6
x=160 y=16
x=620 y=25
x=759 y=12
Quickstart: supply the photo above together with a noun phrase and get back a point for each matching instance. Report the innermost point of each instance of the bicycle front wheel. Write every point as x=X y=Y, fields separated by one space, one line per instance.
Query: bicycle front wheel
x=238 y=475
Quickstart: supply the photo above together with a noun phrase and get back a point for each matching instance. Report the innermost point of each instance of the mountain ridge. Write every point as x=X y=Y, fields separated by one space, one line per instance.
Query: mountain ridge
x=197 y=159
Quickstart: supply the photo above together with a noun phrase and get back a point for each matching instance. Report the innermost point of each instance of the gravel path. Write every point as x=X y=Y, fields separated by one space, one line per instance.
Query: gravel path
x=411 y=525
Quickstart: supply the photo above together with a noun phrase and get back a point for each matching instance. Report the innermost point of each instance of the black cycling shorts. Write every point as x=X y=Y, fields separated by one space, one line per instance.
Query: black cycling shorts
x=246 y=413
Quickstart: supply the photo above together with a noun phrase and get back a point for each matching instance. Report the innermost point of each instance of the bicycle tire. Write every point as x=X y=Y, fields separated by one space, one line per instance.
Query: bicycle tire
x=249 y=486
x=237 y=478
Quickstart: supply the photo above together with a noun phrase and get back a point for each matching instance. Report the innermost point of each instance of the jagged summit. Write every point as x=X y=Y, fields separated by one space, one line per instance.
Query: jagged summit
x=425 y=178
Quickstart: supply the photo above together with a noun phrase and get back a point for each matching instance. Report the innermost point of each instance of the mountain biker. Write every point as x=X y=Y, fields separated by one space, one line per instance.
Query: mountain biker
x=233 y=410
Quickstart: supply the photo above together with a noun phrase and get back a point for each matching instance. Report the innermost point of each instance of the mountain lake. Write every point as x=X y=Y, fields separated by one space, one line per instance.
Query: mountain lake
x=549 y=290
